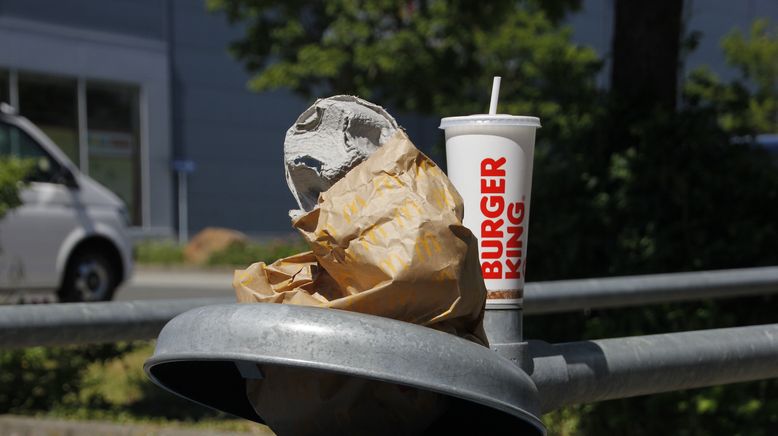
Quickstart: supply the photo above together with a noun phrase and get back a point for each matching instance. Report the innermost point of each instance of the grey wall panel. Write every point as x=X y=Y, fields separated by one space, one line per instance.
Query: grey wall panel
x=254 y=219
x=207 y=140
x=239 y=183
x=234 y=136
x=194 y=26
x=276 y=110
x=228 y=176
x=235 y=194
x=213 y=68
x=236 y=139
x=144 y=18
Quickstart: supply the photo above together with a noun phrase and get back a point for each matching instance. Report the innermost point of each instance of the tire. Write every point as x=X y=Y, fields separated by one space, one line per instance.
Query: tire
x=90 y=276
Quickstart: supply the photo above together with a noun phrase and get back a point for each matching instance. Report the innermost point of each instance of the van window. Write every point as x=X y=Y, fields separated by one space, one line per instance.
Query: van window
x=5 y=88
x=14 y=142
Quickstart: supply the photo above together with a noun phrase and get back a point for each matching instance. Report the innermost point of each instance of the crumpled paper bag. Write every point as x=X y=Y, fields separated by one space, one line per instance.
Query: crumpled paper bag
x=387 y=239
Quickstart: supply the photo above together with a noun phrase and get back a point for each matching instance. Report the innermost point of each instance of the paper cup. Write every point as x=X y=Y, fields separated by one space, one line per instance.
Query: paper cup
x=490 y=163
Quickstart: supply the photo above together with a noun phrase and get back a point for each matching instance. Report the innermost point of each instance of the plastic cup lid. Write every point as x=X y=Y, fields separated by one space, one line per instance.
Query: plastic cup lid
x=491 y=120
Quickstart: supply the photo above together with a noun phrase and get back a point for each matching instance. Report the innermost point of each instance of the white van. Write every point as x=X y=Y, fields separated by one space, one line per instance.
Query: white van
x=69 y=235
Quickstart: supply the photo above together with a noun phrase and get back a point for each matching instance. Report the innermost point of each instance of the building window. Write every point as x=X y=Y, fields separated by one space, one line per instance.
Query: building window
x=5 y=94
x=51 y=103
x=113 y=141
x=110 y=131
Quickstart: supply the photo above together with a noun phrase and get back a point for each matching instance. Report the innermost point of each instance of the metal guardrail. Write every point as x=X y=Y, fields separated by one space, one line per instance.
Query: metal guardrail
x=604 y=369
x=557 y=374
x=87 y=323
x=82 y=323
x=572 y=295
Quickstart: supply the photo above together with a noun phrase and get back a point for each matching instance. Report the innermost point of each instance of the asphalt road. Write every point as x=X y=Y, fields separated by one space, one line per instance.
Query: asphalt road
x=154 y=284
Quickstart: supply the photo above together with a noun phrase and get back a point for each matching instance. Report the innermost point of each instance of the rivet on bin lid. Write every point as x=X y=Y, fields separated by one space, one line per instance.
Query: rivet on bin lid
x=208 y=354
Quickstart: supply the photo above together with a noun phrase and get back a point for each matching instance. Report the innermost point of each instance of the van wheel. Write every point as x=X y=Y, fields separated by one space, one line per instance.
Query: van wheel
x=90 y=276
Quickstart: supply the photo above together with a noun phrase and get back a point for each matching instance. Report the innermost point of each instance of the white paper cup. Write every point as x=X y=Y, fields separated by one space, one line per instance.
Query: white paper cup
x=490 y=163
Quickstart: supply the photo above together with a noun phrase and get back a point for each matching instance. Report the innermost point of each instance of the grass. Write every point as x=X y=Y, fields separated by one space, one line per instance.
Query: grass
x=169 y=253
x=107 y=383
x=159 y=252
x=564 y=422
x=117 y=390
x=246 y=254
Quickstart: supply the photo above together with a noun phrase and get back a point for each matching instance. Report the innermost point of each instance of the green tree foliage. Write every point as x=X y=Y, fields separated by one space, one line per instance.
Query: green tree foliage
x=41 y=379
x=748 y=104
x=675 y=193
x=103 y=382
x=430 y=56
x=12 y=172
x=678 y=194
x=669 y=192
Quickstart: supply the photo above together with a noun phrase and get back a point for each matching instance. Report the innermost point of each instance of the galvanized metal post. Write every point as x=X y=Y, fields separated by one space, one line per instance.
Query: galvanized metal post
x=183 y=209
x=503 y=323
x=589 y=371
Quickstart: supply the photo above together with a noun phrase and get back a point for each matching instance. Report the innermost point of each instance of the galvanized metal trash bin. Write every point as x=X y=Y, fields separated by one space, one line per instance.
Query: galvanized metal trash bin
x=208 y=354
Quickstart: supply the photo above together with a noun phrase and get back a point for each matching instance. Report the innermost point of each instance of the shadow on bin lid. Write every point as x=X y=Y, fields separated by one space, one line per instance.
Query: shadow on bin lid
x=211 y=354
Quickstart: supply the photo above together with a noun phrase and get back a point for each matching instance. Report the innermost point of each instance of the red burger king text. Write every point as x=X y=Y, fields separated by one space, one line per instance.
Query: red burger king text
x=500 y=258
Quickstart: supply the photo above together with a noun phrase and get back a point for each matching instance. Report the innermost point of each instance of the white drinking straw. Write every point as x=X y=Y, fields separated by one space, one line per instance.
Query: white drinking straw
x=495 y=95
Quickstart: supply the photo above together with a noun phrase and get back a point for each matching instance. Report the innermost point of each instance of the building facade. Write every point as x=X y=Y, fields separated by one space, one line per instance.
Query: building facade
x=127 y=88
x=134 y=90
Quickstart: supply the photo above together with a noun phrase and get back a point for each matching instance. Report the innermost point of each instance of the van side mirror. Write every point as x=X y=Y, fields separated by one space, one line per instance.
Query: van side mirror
x=66 y=177
x=48 y=170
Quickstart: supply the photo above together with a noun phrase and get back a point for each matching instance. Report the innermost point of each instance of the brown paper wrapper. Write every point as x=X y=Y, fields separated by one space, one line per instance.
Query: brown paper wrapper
x=385 y=240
